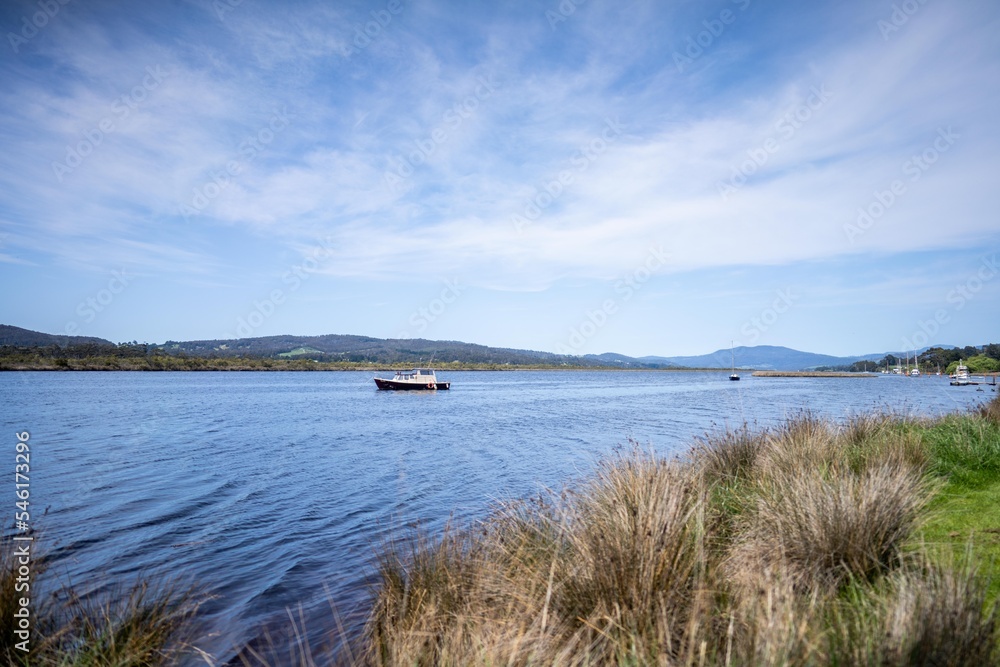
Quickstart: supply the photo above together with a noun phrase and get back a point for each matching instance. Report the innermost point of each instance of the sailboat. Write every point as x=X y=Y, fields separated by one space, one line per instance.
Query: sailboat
x=733 y=376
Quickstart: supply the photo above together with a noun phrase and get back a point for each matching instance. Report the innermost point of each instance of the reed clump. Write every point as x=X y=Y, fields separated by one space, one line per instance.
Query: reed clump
x=143 y=624
x=794 y=546
x=146 y=623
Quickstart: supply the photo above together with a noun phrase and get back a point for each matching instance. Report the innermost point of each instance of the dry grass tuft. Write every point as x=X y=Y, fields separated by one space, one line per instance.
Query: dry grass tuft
x=922 y=615
x=990 y=411
x=887 y=446
x=730 y=457
x=805 y=442
x=940 y=617
x=825 y=530
x=423 y=592
x=146 y=624
x=773 y=624
x=615 y=572
x=639 y=564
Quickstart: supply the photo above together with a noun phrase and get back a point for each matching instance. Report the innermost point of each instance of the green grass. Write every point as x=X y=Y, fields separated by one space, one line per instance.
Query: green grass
x=300 y=351
x=961 y=516
x=966 y=511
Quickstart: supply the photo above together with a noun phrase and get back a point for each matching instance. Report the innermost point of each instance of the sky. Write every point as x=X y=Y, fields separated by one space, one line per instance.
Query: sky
x=574 y=176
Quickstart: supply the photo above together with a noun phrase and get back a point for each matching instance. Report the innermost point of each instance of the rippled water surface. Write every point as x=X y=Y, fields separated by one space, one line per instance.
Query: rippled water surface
x=274 y=489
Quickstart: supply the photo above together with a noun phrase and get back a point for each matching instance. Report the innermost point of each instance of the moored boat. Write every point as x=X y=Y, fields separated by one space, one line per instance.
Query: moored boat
x=961 y=376
x=417 y=379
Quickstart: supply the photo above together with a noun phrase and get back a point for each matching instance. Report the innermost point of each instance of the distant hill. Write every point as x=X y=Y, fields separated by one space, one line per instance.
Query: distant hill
x=622 y=361
x=419 y=351
x=392 y=351
x=770 y=357
x=764 y=357
x=10 y=335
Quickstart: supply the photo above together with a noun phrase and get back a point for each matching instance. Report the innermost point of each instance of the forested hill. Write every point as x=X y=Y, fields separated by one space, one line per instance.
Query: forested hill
x=327 y=348
x=16 y=336
x=32 y=347
x=392 y=351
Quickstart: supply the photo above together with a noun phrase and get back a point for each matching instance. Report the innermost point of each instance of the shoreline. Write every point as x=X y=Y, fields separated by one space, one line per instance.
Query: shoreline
x=813 y=374
x=268 y=365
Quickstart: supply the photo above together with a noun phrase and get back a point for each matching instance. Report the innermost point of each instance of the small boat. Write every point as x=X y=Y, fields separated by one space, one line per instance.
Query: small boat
x=734 y=376
x=418 y=379
x=961 y=376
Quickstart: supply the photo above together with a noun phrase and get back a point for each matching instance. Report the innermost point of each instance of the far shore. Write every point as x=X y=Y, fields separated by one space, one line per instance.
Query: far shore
x=245 y=365
x=169 y=363
x=813 y=374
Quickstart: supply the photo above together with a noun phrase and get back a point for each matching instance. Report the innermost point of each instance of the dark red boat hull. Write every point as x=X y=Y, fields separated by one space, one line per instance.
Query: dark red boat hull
x=410 y=386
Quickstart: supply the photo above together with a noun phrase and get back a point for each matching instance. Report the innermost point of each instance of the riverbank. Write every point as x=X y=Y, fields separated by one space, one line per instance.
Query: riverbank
x=169 y=363
x=809 y=543
x=812 y=374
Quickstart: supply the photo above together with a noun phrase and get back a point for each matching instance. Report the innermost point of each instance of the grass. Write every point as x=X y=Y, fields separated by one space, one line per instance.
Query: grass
x=811 y=544
x=144 y=624
x=966 y=453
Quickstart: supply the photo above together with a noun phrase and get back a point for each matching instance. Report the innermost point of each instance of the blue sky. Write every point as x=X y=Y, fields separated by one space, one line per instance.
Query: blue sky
x=644 y=178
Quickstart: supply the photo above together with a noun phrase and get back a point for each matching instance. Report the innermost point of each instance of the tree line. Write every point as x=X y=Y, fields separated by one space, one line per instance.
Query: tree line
x=985 y=359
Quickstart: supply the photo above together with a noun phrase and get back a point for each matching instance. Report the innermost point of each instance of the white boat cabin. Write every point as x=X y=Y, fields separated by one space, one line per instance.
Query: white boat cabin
x=418 y=375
